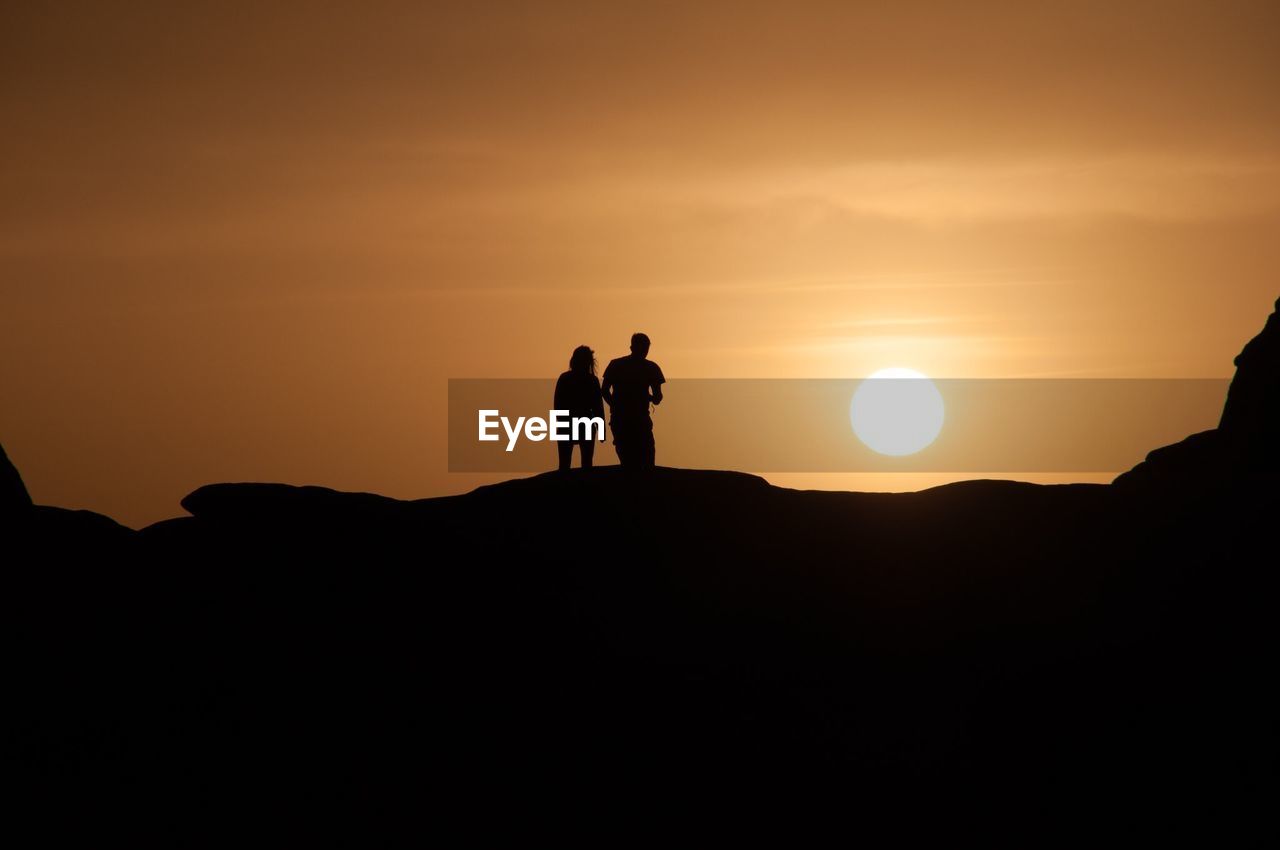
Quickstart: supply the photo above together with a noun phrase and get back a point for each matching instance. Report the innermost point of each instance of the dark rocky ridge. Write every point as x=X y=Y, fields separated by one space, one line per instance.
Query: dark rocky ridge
x=13 y=493
x=1252 y=411
x=1244 y=450
x=566 y=644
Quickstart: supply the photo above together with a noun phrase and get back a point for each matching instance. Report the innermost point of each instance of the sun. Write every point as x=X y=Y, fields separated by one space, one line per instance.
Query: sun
x=896 y=412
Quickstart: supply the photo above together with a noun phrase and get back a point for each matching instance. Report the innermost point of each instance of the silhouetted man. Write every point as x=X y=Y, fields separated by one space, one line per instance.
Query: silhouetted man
x=629 y=385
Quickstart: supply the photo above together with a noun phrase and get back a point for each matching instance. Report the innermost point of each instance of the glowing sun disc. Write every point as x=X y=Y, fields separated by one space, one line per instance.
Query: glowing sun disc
x=896 y=412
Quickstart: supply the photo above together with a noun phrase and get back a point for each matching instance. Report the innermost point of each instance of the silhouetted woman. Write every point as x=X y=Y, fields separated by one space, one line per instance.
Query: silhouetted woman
x=578 y=391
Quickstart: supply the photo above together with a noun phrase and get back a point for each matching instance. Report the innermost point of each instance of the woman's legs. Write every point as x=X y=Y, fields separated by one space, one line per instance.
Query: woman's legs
x=565 y=449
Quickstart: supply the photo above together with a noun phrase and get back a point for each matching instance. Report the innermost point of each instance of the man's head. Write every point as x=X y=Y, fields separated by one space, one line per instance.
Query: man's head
x=639 y=344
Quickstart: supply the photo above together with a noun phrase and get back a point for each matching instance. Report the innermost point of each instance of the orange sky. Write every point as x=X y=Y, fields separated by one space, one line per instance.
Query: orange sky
x=239 y=244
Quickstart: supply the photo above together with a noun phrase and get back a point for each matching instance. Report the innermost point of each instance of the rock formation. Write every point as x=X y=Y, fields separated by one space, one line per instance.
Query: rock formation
x=564 y=645
x=1242 y=453
x=1251 y=416
x=13 y=493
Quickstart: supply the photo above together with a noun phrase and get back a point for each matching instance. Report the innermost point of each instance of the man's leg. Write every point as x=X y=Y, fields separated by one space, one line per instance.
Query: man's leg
x=622 y=441
x=588 y=452
x=565 y=448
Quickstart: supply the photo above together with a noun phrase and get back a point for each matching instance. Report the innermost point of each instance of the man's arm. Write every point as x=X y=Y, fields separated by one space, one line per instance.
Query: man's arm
x=606 y=388
x=656 y=387
x=597 y=405
x=597 y=398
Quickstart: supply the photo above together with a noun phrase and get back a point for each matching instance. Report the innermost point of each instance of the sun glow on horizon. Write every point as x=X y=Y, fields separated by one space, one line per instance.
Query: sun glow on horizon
x=897 y=411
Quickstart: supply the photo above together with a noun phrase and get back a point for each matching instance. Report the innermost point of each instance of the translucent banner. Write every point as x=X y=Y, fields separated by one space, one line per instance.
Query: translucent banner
x=857 y=425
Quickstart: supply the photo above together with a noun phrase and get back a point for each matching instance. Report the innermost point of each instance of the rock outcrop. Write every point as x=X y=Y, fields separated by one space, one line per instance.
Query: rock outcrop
x=560 y=644
x=49 y=533
x=13 y=493
x=1243 y=452
x=1251 y=416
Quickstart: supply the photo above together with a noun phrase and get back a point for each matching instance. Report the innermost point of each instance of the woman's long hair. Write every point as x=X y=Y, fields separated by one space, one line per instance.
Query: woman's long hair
x=583 y=360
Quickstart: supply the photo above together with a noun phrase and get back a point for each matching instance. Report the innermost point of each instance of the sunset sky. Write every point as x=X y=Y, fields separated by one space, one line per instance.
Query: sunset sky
x=254 y=241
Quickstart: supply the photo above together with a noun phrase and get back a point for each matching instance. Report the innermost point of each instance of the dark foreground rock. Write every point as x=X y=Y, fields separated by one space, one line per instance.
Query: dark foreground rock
x=13 y=493
x=1243 y=452
x=611 y=643
x=605 y=647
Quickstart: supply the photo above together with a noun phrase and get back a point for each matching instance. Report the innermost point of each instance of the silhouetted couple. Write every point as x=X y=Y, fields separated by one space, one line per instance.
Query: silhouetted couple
x=630 y=385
